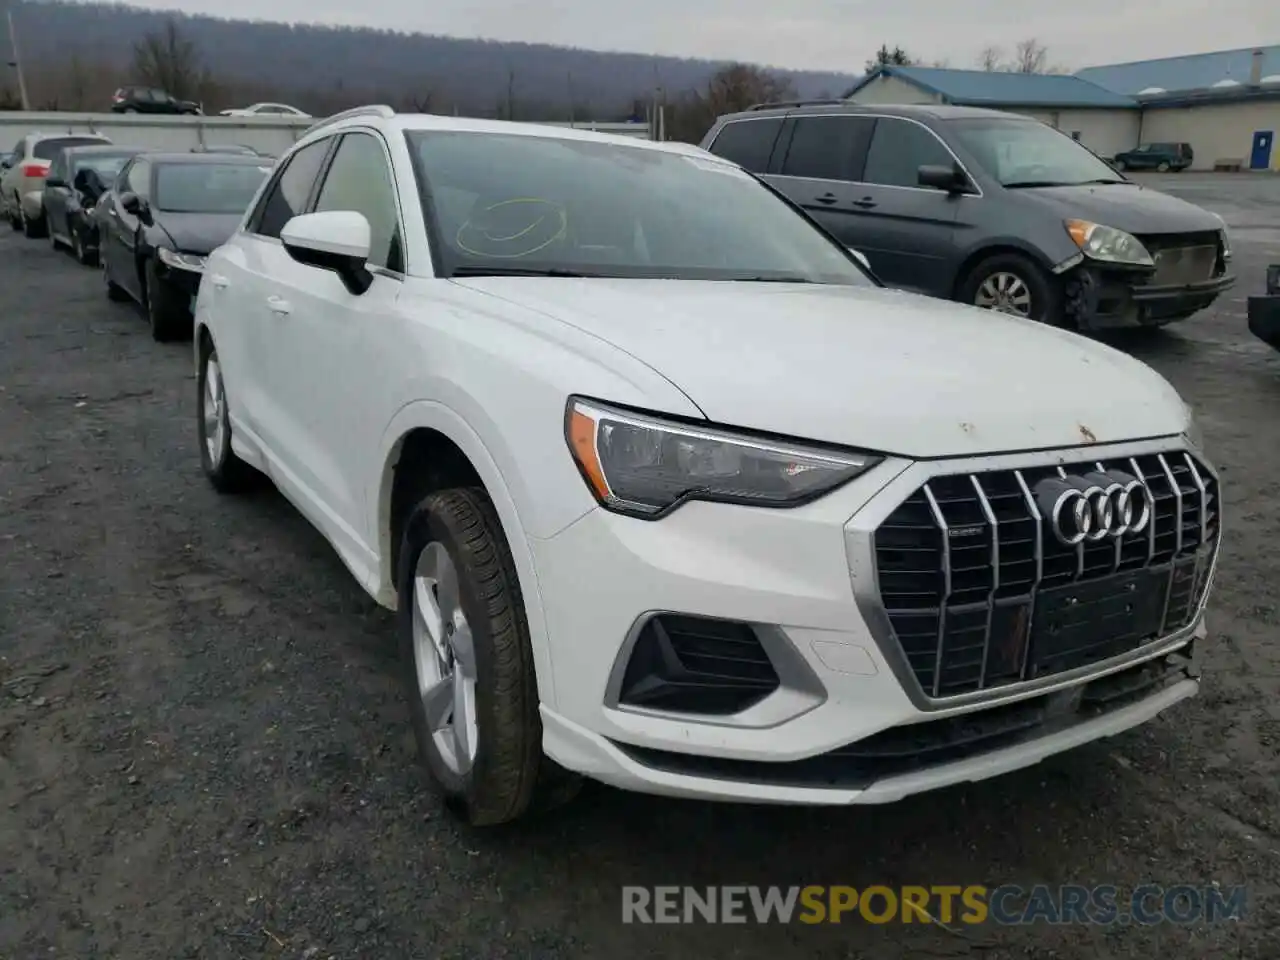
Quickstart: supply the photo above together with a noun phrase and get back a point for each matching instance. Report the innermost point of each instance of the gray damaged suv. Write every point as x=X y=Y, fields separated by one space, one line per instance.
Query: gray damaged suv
x=988 y=208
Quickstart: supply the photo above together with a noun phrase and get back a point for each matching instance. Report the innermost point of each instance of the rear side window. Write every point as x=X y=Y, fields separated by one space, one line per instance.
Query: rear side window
x=287 y=196
x=748 y=143
x=828 y=147
x=899 y=149
x=50 y=148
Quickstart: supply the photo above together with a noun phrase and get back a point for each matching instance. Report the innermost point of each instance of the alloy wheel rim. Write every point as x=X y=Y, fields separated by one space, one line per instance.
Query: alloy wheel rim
x=214 y=412
x=1005 y=293
x=444 y=658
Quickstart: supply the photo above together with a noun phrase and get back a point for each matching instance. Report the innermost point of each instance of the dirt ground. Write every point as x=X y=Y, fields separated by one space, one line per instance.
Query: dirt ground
x=203 y=751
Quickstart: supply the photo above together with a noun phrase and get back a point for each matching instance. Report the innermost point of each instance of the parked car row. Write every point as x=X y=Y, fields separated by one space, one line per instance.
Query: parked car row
x=148 y=218
x=136 y=98
x=987 y=208
x=666 y=488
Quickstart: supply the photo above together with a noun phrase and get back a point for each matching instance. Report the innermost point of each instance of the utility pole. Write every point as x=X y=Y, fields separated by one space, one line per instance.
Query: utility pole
x=16 y=62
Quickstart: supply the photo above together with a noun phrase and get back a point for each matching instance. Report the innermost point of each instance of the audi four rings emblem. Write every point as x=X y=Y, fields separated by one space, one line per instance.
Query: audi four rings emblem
x=1102 y=505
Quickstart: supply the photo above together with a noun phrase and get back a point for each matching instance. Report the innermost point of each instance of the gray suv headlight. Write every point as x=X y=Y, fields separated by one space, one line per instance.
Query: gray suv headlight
x=1100 y=242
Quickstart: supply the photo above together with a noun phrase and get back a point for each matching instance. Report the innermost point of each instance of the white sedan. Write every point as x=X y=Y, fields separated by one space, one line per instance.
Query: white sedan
x=669 y=492
x=265 y=110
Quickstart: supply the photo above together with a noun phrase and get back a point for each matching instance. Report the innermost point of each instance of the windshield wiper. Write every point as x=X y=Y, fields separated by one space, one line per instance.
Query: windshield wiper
x=476 y=271
x=768 y=280
x=1019 y=184
x=1102 y=180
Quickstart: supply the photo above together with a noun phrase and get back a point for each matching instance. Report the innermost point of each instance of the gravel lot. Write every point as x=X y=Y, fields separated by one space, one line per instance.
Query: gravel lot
x=203 y=751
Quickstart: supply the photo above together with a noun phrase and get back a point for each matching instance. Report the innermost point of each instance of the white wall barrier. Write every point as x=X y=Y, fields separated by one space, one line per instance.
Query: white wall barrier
x=272 y=135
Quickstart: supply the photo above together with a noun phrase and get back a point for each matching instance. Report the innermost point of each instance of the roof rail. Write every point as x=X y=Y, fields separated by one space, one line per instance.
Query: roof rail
x=798 y=103
x=370 y=110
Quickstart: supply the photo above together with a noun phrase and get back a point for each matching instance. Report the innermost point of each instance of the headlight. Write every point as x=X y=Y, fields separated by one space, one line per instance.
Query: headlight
x=1226 y=239
x=181 y=261
x=644 y=466
x=1108 y=243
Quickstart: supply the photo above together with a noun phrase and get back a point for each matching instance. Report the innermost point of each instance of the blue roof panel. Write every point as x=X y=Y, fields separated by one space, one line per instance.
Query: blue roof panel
x=1196 y=72
x=982 y=88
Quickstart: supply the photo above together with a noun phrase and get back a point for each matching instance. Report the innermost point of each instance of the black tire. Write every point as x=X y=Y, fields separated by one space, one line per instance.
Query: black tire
x=32 y=229
x=1162 y=166
x=1045 y=290
x=510 y=776
x=226 y=472
x=167 y=317
x=129 y=110
x=84 y=256
x=115 y=292
x=1123 y=166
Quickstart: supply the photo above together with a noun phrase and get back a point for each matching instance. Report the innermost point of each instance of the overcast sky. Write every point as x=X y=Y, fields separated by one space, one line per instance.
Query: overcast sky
x=807 y=34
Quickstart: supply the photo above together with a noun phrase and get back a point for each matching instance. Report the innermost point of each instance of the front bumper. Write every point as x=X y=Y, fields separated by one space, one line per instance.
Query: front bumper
x=1104 y=298
x=178 y=286
x=1264 y=319
x=834 y=728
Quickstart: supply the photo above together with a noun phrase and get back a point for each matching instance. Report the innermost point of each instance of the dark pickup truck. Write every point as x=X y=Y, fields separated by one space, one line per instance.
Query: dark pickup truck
x=1264 y=310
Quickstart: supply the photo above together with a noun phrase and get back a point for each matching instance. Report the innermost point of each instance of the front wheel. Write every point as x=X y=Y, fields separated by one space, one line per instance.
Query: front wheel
x=83 y=254
x=467 y=663
x=33 y=229
x=1013 y=284
x=1162 y=166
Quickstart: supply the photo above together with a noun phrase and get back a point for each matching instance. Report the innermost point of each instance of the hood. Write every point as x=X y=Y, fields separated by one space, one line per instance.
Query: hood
x=1125 y=206
x=864 y=367
x=198 y=232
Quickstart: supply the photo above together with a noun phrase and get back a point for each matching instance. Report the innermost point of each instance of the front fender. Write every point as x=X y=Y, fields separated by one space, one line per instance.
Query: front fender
x=432 y=415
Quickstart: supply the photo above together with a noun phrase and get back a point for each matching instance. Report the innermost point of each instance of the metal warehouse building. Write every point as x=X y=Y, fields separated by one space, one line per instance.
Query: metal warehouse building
x=1226 y=105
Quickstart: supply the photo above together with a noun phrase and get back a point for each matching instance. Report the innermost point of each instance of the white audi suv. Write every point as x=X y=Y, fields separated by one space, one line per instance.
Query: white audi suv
x=669 y=492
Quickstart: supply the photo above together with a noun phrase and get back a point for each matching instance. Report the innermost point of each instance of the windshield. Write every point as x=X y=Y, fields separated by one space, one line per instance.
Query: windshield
x=1028 y=153
x=105 y=165
x=207 y=187
x=50 y=147
x=529 y=204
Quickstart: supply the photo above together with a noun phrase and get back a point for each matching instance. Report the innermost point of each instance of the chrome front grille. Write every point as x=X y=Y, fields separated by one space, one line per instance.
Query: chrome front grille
x=980 y=593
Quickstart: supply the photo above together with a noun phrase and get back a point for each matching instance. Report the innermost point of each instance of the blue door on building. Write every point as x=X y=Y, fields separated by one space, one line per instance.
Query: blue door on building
x=1262 y=141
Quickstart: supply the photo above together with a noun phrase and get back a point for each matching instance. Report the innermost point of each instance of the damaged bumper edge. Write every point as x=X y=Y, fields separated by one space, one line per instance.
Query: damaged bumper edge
x=1099 y=297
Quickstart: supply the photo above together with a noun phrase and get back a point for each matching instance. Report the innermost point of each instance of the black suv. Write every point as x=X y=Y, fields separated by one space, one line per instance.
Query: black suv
x=1157 y=156
x=151 y=100
x=985 y=207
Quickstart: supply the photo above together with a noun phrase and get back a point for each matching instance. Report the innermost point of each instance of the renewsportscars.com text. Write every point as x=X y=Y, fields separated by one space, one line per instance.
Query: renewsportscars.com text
x=1008 y=904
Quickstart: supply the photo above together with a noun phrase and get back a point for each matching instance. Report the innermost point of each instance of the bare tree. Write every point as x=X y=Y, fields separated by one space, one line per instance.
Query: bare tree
x=991 y=59
x=78 y=83
x=1030 y=56
x=731 y=89
x=168 y=60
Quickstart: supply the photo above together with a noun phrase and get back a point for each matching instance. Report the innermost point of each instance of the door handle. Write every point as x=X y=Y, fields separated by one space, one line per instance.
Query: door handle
x=866 y=203
x=219 y=281
x=827 y=198
x=279 y=306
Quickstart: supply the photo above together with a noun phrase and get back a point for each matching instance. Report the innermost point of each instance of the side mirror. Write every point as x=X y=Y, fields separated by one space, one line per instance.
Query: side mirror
x=335 y=240
x=950 y=179
x=135 y=206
